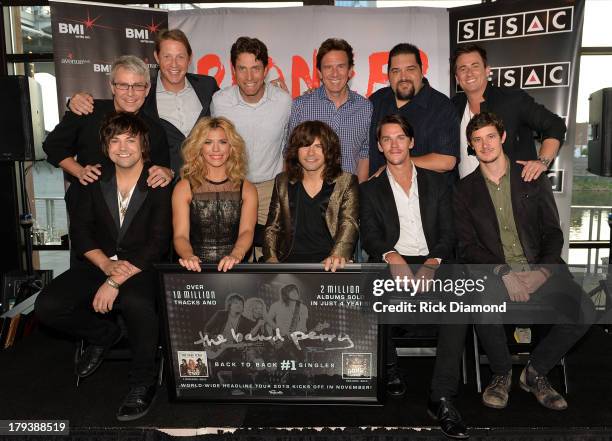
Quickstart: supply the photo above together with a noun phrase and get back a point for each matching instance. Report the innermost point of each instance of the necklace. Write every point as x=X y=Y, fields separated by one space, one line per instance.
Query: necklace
x=124 y=202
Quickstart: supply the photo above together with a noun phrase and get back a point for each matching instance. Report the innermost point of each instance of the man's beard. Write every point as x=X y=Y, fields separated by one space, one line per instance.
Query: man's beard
x=404 y=96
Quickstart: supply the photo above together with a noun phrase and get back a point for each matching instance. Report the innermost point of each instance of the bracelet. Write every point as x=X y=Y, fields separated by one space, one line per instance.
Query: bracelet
x=545 y=272
x=545 y=161
x=111 y=282
x=502 y=270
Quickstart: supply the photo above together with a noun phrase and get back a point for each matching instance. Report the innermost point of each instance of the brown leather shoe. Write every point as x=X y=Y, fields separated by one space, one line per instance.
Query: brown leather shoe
x=539 y=386
x=496 y=393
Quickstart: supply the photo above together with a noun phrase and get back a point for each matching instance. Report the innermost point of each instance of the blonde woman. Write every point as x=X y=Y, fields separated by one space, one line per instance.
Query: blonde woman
x=214 y=208
x=255 y=309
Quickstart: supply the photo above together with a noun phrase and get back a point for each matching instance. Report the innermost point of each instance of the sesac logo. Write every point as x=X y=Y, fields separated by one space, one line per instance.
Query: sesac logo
x=104 y=68
x=138 y=34
x=523 y=24
x=531 y=76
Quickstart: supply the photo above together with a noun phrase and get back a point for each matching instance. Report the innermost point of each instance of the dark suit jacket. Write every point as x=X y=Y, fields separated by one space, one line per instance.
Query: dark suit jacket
x=521 y=116
x=79 y=136
x=379 y=219
x=204 y=87
x=535 y=215
x=145 y=234
x=216 y=324
x=341 y=217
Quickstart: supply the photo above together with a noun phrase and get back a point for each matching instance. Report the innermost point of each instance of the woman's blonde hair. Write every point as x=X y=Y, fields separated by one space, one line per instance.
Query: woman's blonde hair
x=249 y=306
x=194 y=167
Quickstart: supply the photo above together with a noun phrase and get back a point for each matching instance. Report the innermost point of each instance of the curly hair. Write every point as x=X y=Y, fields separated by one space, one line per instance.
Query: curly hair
x=249 y=306
x=305 y=135
x=194 y=166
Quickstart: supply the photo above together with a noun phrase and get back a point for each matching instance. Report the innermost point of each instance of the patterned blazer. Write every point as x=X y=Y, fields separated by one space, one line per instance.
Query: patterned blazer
x=341 y=217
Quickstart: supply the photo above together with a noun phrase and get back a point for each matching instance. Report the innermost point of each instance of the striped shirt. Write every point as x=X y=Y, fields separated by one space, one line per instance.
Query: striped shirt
x=351 y=122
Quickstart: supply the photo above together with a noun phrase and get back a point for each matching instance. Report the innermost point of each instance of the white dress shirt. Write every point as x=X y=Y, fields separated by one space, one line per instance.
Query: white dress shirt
x=180 y=109
x=262 y=125
x=468 y=163
x=411 y=240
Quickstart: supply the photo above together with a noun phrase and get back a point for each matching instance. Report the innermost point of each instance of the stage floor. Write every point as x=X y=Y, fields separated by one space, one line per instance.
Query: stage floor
x=37 y=382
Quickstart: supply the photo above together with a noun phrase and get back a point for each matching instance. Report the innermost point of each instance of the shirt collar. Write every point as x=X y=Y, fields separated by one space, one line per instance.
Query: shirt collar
x=504 y=177
x=239 y=100
x=423 y=97
x=323 y=95
x=414 y=186
x=159 y=88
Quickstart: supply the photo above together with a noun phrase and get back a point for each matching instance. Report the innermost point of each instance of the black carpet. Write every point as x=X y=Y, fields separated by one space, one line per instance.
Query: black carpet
x=37 y=382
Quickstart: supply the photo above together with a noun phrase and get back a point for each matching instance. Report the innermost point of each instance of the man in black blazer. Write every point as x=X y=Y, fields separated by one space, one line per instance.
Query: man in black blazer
x=519 y=112
x=121 y=228
x=406 y=221
x=511 y=227
x=177 y=98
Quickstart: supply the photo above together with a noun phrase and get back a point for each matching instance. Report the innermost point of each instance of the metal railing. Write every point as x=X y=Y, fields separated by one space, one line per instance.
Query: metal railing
x=597 y=223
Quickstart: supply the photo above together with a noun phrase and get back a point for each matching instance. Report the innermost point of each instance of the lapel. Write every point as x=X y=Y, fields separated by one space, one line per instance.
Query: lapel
x=150 y=104
x=330 y=205
x=424 y=205
x=484 y=211
x=387 y=202
x=204 y=100
x=108 y=186
x=138 y=197
x=519 y=197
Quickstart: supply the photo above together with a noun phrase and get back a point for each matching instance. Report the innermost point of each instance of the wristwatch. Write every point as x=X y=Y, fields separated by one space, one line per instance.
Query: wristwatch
x=545 y=161
x=502 y=270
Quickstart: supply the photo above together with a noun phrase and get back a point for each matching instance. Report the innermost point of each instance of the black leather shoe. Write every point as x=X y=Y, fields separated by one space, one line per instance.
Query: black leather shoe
x=396 y=385
x=136 y=403
x=448 y=417
x=92 y=357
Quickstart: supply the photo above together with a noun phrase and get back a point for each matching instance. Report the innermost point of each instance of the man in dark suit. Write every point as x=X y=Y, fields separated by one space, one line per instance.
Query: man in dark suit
x=177 y=98
x=512 y=227
x=406 y=221
x=521 y=115
x=121 y=228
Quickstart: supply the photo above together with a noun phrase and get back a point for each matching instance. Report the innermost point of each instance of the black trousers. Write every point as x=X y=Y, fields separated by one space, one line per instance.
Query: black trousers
x=66 y=304
x=575 y=313
x=449 y=350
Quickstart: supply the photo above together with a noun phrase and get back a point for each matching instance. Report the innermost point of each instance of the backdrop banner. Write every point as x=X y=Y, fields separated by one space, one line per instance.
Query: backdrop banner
x=88 y=37
x=535 y=46
x=293 y=36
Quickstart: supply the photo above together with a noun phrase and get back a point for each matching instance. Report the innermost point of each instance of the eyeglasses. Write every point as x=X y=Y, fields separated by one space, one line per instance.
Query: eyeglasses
x=138 y=87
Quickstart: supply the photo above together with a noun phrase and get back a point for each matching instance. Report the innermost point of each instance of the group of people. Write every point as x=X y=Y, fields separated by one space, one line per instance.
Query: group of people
x=312 y=175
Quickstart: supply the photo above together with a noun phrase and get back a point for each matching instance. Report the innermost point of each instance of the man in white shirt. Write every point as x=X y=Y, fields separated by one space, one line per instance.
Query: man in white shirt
x=260 y=113
x=405 y=221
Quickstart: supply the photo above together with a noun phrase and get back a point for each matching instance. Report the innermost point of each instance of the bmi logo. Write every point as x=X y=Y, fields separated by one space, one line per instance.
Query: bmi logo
x=523 y=24
x=104 y=68
x=71 y=29
x=137 y=34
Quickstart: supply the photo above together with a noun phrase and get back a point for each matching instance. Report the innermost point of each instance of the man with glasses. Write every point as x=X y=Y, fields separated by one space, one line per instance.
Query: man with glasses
x=178 y=99
x=74 y=144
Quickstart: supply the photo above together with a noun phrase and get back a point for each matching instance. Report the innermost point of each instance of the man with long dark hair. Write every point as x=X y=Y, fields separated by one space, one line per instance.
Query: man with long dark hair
x=314 y=208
